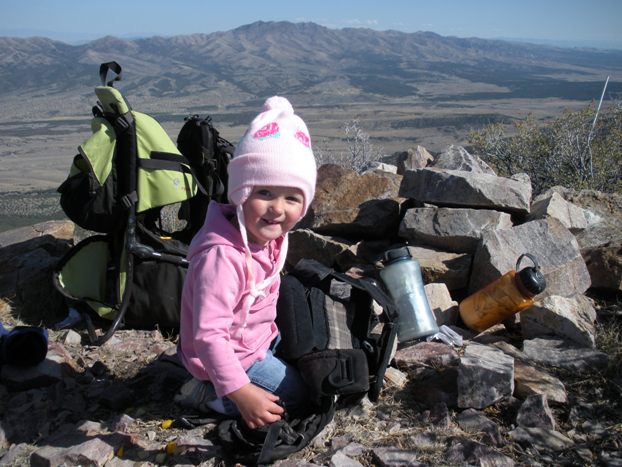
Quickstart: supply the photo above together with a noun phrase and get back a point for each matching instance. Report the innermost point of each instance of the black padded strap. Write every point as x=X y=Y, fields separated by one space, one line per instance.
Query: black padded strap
x=169 y=156
x=169 y=161
x=103 y=71
x=272 y=436
x=159 y=164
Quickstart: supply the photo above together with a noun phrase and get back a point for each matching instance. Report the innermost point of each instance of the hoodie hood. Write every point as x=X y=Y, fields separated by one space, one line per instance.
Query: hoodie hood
x=217 y=230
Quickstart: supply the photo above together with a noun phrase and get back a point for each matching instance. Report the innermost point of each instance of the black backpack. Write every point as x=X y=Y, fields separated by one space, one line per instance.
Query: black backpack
x=340 y=332
x=208 y=154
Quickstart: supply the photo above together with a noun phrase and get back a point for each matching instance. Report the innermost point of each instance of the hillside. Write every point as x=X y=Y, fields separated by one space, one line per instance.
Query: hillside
x=309 y=60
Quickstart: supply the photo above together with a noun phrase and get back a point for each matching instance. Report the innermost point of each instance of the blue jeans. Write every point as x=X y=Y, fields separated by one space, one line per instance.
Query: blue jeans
x=275 y=376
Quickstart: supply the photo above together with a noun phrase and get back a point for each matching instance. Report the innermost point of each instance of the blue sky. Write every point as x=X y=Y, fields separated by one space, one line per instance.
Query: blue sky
x=595 y=23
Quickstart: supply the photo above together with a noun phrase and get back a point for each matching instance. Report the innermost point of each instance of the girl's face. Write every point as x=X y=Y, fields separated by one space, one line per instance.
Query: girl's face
x=271 y=211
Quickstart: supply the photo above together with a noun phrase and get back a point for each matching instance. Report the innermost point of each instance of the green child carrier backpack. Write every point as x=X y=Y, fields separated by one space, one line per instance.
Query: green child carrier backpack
x=125 y=173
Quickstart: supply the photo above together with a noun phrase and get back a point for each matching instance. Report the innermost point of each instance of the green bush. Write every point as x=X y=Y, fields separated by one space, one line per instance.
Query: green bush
x=568 y=151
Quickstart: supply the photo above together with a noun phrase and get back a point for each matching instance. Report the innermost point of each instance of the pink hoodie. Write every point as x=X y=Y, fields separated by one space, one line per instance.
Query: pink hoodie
x=217 y=340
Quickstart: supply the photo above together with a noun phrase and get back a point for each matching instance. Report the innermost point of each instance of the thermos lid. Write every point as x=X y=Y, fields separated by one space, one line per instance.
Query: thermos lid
x=531 y=277
x=396 y=254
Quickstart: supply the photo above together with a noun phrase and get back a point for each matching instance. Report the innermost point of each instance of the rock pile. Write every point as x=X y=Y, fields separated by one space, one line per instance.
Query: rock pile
x=500 y=398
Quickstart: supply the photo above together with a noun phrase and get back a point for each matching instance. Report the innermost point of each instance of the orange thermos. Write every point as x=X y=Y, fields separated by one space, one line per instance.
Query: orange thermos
x=502 y=298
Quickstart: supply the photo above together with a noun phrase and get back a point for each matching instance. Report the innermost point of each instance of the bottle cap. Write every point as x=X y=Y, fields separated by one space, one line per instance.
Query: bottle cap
x=396 y=254
x=531 y=277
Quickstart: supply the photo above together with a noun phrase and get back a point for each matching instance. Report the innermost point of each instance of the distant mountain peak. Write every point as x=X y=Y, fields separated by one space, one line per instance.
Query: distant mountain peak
x=308 y=59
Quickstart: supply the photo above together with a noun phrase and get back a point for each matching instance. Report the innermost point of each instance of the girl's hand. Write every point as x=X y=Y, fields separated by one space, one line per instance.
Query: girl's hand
x=257 y=406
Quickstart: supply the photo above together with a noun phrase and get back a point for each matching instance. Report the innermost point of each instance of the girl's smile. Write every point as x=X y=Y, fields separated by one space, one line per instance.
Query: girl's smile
x=271 y=211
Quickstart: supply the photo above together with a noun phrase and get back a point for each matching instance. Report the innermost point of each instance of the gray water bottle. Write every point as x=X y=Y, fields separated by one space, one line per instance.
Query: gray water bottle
x=402 y=277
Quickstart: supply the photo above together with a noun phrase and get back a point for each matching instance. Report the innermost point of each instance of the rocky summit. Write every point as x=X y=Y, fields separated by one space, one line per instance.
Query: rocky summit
x=541 y=388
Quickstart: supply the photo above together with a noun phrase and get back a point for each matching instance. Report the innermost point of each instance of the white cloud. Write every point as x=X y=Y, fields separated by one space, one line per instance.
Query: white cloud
x=361 y=22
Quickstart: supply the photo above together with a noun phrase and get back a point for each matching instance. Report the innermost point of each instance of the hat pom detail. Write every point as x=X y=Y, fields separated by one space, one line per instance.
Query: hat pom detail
x=278 y=103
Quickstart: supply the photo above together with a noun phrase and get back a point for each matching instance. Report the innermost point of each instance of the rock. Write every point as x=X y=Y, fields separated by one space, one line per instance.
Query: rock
x=414 y=158
x=17 y=454
x=571 y=318
x=70 y=337
x=562 y=354
x=541 y=438
x=603 y=214
x=463 y=451
x=529 y=380
x=304 y=243
x=485 y=376
x=438 y=415
x=354 y=206
x=553 y=246
x=339 y=459
x=457 y=188
x=604 y=263
x=451 y=269
x=393 y=457
x=473 y=421
x=454 y=157
x=381 y=167
x=436 y=386
x=535 y=412
x=444 y=308
x=93 y=452
x=27 y=258
x=60 y=230
x=552 y=204
x=450 y=229
x=138 y=372
x=426 y=353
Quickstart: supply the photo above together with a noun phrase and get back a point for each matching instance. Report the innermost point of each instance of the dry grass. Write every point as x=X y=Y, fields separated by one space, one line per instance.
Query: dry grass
x=390 y=422
x=7 y=312
x=609 y=336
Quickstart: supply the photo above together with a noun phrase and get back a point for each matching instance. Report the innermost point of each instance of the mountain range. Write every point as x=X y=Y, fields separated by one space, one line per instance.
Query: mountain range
x=401 y=89
x=315 y=63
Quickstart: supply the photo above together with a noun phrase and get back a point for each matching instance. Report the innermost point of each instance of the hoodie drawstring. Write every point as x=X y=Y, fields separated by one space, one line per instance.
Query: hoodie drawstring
x=256 y=290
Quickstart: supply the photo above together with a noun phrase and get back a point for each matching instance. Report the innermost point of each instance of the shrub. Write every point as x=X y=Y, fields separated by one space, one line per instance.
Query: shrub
x=360 y=152
x=568 y=151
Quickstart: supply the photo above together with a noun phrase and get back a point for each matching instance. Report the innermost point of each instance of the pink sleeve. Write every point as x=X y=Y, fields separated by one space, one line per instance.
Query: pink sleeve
x=217 y=291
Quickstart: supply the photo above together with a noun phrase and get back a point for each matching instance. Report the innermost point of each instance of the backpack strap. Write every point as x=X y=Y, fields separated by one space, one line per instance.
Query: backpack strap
x=169 y=161
x=381 y=352
x=263 y=446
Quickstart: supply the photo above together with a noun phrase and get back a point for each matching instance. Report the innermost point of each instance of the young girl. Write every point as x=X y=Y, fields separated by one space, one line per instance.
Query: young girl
x=227 y=330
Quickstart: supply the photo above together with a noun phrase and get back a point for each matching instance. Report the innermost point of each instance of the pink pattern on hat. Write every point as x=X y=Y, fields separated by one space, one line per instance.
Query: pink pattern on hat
x=271 y=130
x=303 y=138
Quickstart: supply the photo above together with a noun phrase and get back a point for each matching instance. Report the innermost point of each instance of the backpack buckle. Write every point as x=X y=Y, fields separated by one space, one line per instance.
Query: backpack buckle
x=121 y=124
x=129 y=200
